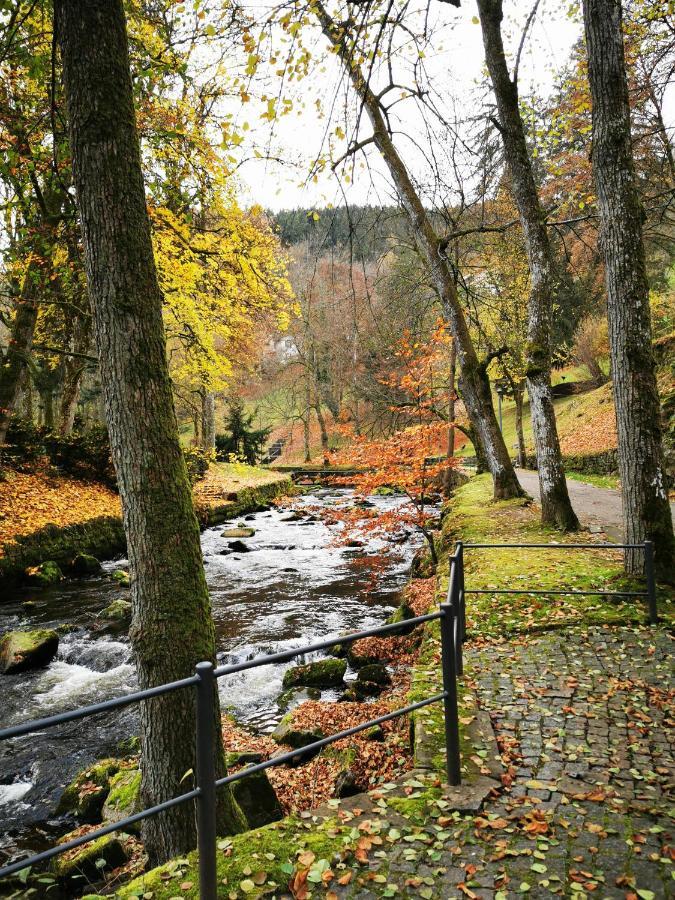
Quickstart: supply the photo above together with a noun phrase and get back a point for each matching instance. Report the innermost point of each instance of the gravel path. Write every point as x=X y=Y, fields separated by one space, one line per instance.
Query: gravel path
x=593 y=505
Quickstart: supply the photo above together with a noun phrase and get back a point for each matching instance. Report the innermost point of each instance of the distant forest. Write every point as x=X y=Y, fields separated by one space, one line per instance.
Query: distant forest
x=363 y=232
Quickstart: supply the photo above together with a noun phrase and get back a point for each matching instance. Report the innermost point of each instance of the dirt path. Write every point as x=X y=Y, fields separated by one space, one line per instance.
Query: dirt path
x=593 y=505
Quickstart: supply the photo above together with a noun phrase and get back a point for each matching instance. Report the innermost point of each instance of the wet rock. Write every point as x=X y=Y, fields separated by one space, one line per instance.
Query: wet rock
x=121 y=577
x=118 y=612
x=345 y=784
x=287 y=733
x=295 y=696
x=84 y=564
x=243 y=758
x=257 y=800
x=376 y=673
x=124 y=797
x=87 y=792
x=43 y=575
x=360 y=690
x=401 y=614
x=358 y=660
x=324 y=673
x=24 y=650
x=355 y=543
x=364 y=504
x=422 y=564
x=374 y=734
x=239 y=547
x=239 y=532
x=289 y=569
x=79 y=866
x=292 y=517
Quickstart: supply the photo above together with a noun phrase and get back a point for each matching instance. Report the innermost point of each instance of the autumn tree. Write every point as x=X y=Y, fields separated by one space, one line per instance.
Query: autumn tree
x=170 y=602
x=646 y=510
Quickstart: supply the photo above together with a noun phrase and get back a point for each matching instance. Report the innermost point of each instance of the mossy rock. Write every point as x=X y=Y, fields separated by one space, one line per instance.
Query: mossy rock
x=376 y=673
x=401 y=614
x=87 y=792
x=82 y=865
x=24 y=650
x=121 y=577
x=257 y=800
x=358 y=660
x=84 y=564
x=130 y=746
x=43 y=575
x=241 y=531
x=360 y=690
x=287 y=733
x=324 y=673
x=295 y=696
x=119 y=612
x=124 y=797
x=422 y=564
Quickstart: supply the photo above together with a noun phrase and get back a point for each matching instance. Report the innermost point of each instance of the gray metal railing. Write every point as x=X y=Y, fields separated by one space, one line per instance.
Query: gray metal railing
x=647 y=548
x=205 y=682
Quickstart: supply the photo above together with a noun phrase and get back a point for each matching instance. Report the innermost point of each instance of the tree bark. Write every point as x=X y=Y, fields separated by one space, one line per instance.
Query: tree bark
x=646 y=511
x=16 y=357
x=322 y=429
x=208 y=439
x=556 y=508
x=476 y=387
x=518 y=392
x=73 y=372
x=452 y=376
x=172 y=628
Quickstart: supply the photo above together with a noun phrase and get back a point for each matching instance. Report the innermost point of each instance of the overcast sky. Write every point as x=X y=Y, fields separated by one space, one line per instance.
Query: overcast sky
x=456 y=60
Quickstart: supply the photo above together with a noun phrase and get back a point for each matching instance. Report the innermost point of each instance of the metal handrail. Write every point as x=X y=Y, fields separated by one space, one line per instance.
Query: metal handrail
x=204 y=680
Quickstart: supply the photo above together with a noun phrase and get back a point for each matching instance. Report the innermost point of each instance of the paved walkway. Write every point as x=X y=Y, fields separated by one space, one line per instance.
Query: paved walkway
x=584 y=721
x=593 y=505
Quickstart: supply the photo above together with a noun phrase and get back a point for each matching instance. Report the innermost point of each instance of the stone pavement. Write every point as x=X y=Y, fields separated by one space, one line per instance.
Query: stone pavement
x=584 y=722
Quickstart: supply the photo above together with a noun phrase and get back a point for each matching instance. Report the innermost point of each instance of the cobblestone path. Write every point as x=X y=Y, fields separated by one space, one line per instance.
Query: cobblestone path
x=584 y=722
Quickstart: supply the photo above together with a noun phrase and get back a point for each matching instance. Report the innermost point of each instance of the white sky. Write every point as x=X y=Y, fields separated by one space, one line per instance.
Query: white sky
x=456 y=64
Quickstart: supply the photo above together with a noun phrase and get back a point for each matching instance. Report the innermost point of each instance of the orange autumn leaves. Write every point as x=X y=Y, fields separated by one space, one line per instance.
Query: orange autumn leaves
x=30 y=501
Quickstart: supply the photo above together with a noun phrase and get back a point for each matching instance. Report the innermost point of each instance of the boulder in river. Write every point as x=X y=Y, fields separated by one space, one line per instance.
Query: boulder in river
x=88 y=791
x=121 y=577
x=257 y=800
x=118 y=612
x=376 y=673
x=287 y=733
x=324 y=673
x=295 y=696
x=124 y=797
x=240 y=531
x=84 y=564
x=360 y=690
x=81 y=865
x=239 y=547
x=45 y=574
x=24 y=650
x=358 y=660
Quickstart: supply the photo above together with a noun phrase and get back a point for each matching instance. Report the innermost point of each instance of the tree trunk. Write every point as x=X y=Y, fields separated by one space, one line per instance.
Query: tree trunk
x=452 y=375
x=208 y=441
x=556 y=508
x=477 y=396
x=15 y=359
x=518 y=398
x=73 y=372
x=322 y=429
x=172 y=628
x=646 y=511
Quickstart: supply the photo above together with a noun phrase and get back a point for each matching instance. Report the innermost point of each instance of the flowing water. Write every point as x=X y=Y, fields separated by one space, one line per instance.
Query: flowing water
x=296 y=585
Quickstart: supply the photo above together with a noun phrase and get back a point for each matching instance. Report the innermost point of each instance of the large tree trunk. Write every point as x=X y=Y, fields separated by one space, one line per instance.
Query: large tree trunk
x=208 y=439
x=646 y=511
x=74 y=368
x=452 y=377
x=322 y=428
x=14 y=362
x=556 y=508
x=476 y=388
x=518 y=392
x=172 y=628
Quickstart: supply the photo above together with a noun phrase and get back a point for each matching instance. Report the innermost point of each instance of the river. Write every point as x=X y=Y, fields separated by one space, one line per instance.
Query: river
x=297 y=584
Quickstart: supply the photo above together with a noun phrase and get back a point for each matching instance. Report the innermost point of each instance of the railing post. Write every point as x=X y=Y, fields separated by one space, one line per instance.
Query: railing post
x=462 y=599
x=651 y=582
x=448 y=623
x=206 y=782
x=454 y=601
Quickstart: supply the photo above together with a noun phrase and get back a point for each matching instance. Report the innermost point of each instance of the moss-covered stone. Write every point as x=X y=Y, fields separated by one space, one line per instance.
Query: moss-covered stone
x=123 y=797
x=88 y=862
x=119 y=612
x=121 y=577
x=241 y=531
x=295 y=696
x=358 y=660
x=24 y=650
x=376 y=673
x=401 y=614
x=360 y=690
x=287 y=733
x=87 y=792
x=85 y=564
x=257 y=800
x=324 y=673
x=423 y=565
x=44 y=574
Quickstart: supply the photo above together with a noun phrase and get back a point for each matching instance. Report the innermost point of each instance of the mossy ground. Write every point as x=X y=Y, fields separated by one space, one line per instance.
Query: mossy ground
x=475 y=518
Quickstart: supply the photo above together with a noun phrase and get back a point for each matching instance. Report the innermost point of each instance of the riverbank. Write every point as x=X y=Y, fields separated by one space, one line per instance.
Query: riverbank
x=554 y=823
x=55 y=517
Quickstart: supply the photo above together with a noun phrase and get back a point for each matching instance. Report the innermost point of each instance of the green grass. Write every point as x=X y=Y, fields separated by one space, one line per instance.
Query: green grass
x=602 y=481
x=474 y=518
